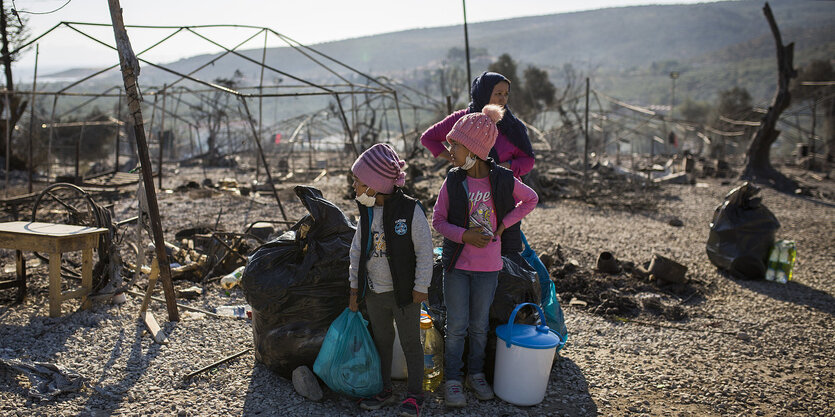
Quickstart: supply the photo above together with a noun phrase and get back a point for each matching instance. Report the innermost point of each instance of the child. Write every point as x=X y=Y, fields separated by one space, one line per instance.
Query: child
x=391 y=267
x=477 y=202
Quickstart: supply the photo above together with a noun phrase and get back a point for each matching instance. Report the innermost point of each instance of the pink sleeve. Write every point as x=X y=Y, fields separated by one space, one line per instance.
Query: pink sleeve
x=439 y=218
x=521 y=164
x=434 y=137
x=526 y=200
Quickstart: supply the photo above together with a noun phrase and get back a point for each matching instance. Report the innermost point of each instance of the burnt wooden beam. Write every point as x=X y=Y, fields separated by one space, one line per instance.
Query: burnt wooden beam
x=130 y=71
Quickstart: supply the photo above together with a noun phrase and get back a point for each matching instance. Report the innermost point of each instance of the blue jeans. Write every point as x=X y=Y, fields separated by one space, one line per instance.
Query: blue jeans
x=468 y=296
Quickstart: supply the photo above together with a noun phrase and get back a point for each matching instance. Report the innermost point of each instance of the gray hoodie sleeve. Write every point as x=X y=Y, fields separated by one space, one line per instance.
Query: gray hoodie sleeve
x=422 y=239
x=353 y=270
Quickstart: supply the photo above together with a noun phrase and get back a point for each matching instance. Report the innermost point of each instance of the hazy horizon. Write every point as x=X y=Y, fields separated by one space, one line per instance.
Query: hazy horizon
x=328 y=21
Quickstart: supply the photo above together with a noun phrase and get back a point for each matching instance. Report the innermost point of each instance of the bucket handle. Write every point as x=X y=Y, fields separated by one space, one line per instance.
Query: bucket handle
x=542 y=328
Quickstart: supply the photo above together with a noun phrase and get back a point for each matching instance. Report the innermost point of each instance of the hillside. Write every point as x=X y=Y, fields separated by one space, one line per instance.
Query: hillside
x=705 y=42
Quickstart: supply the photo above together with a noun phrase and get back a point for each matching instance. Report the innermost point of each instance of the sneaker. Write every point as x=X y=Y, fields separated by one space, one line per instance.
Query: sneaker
x=480 y=387
x=454 y=395
x=378 y=401
x=410 y=407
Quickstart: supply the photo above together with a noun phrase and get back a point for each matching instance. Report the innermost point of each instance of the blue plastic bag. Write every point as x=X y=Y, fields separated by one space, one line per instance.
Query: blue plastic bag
x=553 y=311
x=348 y=361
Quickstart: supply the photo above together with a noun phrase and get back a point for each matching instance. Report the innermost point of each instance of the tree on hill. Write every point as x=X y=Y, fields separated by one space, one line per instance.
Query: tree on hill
x=539 y=91
x=13 y=33
x=818 y=96
x=530 y=95
x=694 y=112
x=758 y=156
x=732 y=107
x=506 y=66
x=569 y=106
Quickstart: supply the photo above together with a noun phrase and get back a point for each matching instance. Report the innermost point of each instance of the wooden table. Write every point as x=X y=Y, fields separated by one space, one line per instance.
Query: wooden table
x=54 y=239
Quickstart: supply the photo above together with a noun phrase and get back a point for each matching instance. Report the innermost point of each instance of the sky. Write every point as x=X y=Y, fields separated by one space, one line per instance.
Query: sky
x=306 y=21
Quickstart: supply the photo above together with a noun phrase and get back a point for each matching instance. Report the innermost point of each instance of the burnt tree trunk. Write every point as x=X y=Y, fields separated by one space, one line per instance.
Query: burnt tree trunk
x=758 y=166
x=17 y=105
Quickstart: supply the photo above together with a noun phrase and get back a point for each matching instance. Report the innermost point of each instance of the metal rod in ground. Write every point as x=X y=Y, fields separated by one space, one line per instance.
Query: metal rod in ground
x=184 y=307
x=8 y=144
x=586 y=141
x=32 y=116
x=466 y=42
x=77 y=179
x=49 y=143
x=161 y=135
x=118 y=129
x=261 y=101
x=130 y=67
x=226 y=359
x=263 y=158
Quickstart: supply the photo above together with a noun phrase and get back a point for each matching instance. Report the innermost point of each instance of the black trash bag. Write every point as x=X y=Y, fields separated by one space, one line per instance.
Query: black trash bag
x=517 y=284
x=297 y=284
x=742 y=233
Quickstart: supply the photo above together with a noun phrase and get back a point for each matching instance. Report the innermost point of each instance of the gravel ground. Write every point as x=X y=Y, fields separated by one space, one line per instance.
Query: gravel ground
x=747 y=348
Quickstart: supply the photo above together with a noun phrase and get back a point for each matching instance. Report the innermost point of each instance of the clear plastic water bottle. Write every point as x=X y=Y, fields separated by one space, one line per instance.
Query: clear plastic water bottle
x=232 y=279
x=433 y=354
x=239 y=311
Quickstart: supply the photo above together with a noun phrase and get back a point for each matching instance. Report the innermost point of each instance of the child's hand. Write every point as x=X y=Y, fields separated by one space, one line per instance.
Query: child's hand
x=474 y=237
x=419 y=297
x=352 y=303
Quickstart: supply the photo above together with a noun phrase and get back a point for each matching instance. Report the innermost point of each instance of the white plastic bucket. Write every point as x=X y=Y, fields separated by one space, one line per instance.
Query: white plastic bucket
x=524 y=357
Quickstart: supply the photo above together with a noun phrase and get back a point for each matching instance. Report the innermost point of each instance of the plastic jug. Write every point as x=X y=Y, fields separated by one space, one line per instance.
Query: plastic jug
x=524 y=358
x=433 y=354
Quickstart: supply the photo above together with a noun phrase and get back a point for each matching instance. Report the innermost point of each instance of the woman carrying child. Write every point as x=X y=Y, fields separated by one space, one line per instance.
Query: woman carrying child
x=391 y=268
x=478 y=201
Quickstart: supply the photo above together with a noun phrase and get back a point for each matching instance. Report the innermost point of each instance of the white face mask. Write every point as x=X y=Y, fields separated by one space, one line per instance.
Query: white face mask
x=367 y=200
x=468 y=163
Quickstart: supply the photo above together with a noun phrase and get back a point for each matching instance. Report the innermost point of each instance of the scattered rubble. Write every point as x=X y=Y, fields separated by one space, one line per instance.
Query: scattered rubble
x=621 y=289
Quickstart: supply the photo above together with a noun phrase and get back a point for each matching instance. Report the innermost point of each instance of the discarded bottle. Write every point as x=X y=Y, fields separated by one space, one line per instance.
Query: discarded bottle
x=433 y=354
x=781 y=261
x=239 y=311
x=232 y=279
x=773 y=260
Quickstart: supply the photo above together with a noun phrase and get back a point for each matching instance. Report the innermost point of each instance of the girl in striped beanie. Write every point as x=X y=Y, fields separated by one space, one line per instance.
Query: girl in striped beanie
x=391 y=267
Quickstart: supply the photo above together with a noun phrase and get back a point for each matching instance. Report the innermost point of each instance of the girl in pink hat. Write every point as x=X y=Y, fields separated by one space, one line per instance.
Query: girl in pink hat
x=512 y=148
x=478 y=201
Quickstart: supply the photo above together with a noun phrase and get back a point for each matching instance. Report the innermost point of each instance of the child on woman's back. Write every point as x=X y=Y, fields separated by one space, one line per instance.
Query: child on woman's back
x=477 y=202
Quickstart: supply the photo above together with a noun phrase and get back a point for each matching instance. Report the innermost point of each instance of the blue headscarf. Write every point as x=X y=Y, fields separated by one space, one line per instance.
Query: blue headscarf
x=510 y=126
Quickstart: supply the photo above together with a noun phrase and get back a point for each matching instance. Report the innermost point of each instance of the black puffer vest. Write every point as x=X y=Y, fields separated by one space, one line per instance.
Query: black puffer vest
x=398 y=211
x=501 y=185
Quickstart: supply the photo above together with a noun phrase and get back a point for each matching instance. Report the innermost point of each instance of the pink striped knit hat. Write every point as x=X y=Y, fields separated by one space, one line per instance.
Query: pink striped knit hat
x=380 y=168
x=478 y=131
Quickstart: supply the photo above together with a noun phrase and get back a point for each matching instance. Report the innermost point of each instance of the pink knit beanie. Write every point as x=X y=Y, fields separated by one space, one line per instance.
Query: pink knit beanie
x=477 y=131
x=380 y=168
